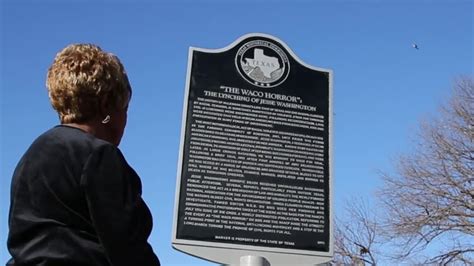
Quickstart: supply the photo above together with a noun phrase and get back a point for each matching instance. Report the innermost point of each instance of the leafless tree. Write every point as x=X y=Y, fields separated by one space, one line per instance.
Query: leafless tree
x=356 y=238
x=430 y=198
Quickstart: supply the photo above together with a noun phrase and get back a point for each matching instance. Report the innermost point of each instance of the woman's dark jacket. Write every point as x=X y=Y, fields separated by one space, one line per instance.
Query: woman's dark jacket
x=76 y=201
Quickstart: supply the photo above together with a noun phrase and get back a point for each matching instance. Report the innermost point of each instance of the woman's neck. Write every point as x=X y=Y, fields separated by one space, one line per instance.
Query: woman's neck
x=95 y=128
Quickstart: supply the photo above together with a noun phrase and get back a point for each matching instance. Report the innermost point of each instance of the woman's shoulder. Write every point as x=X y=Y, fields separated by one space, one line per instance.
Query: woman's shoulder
x=68 y=134
x=64 y=140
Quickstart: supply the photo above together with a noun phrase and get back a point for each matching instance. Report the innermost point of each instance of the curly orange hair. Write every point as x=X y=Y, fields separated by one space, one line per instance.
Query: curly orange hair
x=83 y=79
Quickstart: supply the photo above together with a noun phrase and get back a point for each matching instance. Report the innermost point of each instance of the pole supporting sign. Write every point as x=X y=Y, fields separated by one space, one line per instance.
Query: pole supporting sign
x=254 y=171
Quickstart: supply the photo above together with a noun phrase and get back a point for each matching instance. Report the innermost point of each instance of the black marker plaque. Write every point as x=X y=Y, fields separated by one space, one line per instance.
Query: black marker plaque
x=255 y=158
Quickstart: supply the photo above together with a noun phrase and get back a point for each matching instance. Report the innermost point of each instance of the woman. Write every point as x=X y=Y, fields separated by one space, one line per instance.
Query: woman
x=74 y=198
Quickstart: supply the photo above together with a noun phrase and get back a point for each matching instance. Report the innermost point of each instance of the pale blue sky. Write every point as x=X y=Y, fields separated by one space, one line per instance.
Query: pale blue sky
x=382 y=86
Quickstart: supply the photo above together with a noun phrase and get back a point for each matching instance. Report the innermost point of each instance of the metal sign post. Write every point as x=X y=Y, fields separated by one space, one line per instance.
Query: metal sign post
x=253 y=261
x=254 y=171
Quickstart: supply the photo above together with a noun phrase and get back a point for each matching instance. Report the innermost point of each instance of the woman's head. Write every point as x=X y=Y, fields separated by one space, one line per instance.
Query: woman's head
x=85 y=82
x=86 y=85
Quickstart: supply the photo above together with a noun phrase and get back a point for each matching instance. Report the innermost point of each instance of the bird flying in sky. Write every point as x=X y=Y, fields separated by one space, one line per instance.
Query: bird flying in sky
x=414 y=45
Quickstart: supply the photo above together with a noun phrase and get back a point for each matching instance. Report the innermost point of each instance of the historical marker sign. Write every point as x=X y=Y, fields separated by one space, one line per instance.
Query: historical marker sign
x=254 y=172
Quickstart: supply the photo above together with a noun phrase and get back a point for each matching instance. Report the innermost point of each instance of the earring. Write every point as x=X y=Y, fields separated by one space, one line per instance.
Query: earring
x=106 y=119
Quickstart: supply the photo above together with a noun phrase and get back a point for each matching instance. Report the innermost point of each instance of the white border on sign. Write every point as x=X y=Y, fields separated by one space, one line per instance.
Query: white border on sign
x=230 y=254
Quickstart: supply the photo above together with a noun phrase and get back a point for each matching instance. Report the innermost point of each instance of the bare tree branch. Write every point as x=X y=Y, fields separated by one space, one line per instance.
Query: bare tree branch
x=356 y=239
x=431 y=195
